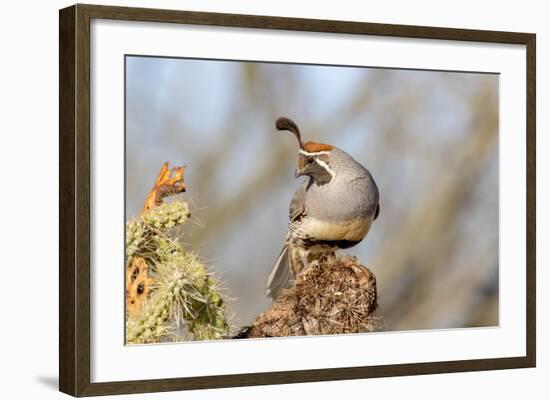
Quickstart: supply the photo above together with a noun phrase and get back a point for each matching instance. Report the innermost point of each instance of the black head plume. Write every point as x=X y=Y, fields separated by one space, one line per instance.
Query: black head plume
x=286 y=124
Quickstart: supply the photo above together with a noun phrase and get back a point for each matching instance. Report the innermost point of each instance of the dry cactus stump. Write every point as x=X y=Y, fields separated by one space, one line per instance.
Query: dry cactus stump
x=335 y=296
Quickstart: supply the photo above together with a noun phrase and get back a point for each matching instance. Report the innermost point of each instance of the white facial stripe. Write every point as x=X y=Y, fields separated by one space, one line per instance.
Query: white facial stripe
x=323 y=152
x=325 y=166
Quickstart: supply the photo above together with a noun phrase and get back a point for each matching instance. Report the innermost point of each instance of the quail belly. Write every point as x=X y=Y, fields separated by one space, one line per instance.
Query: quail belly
x=352 y=231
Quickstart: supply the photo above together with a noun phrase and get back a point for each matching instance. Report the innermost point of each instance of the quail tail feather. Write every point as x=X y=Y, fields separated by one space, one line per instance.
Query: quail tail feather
x=280 y=276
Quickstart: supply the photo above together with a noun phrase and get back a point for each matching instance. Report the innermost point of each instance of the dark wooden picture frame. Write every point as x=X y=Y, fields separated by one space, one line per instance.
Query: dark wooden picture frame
x=74 y=199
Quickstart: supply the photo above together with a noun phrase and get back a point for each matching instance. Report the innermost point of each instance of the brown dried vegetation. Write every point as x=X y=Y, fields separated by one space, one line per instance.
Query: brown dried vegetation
x=138 y=284
x=169 y=182
x=335 y=296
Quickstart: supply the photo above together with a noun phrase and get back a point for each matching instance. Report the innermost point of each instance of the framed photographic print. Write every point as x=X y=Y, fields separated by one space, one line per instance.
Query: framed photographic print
x=250 y=200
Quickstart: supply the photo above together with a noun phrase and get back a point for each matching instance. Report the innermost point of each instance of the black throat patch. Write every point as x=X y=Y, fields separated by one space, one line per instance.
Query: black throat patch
x=322 y=176
x=322 y=172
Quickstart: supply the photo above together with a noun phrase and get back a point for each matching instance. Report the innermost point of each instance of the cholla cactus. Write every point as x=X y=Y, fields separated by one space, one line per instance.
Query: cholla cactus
x=184 y=297
x=146 y=236
x=167 y=215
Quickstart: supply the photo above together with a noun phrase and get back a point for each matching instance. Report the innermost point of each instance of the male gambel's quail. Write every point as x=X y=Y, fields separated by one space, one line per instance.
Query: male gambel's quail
x=332 y=210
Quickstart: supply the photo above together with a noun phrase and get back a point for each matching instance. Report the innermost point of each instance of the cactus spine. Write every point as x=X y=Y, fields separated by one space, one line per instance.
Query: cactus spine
x=184 y=301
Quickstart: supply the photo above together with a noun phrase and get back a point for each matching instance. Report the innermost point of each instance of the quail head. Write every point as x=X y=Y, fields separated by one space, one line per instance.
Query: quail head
x=332 y=209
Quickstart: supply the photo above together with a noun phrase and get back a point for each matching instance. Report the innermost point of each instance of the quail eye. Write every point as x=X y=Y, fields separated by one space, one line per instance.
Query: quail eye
x=310 y=160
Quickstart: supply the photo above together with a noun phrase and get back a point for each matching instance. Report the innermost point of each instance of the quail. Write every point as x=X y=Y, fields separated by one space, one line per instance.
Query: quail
x=332 y=209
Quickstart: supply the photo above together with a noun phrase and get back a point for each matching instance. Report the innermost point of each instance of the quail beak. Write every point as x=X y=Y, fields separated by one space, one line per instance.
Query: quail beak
x=297 y=173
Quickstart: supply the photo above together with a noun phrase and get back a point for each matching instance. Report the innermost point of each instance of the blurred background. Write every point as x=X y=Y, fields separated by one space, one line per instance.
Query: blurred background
x=429 y=138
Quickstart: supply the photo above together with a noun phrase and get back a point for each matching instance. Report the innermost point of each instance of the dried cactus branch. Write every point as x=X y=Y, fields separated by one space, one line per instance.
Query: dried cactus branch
x=168 y=182
x=138 y=285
